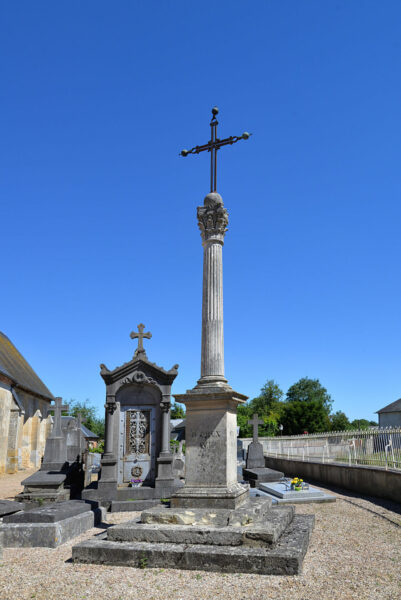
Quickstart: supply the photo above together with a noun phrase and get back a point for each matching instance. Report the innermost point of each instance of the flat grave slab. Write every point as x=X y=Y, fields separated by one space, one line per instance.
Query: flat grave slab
x=280 y=495
x=51 y=513
x=262 y=474
x=8 y=507
x=48 y=526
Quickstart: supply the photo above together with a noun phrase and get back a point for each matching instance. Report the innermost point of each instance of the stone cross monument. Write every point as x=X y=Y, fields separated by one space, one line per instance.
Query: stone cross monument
x=255 y=422
x=140 y=335
x=211 y=451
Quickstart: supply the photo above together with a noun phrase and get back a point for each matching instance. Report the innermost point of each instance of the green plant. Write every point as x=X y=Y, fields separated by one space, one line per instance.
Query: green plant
x=165 y=500
x=143 y=561
x=41 y=501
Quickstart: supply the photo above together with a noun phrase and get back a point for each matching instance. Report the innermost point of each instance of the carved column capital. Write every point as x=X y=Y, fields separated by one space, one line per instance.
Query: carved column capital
x=110 y=405
x=213 y=218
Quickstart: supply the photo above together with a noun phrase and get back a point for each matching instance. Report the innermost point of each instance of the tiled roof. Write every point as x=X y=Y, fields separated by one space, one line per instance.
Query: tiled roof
x=14 y=366
x=393 y=407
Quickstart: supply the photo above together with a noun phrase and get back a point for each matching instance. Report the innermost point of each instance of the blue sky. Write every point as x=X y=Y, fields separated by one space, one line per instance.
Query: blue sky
x=98 y=211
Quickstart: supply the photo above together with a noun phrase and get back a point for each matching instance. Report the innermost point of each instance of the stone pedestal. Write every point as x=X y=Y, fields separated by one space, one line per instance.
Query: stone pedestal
x=211 y=450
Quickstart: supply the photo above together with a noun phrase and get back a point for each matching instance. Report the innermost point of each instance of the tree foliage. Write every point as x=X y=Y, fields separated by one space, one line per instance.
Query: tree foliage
x=177 y=411
x=339 y=421
x=267 y=405
x=89 y=416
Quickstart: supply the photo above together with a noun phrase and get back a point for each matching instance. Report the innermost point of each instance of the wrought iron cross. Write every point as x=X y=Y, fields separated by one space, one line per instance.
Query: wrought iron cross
x=140 y=335
x=255 y=422
x=213 y=145
x=57 y=408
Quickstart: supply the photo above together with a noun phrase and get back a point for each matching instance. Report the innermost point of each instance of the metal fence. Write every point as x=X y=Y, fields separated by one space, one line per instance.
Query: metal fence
x=376 y=447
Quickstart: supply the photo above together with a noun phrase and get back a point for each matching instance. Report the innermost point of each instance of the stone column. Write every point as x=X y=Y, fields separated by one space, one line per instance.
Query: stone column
x=108 y=475
x=210 y=424
x=108 y=441
x=165 y=406
x=165 y=477
x=213 y=220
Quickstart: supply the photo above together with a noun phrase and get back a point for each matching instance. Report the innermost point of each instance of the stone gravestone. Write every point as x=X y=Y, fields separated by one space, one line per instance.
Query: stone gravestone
x=137 y=441
x=255 y=458
x=60 y=476
x=256 y=471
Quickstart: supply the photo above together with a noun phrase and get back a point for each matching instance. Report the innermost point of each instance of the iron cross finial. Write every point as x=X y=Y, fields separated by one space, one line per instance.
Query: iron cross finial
x=213 y=145
x=140 y=335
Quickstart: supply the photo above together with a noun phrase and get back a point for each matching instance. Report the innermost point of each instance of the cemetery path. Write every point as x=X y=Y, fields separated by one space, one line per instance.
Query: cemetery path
x=10 y=484
x=354 y=553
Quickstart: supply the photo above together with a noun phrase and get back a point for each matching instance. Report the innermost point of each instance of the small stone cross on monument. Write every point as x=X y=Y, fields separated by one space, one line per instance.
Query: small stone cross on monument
x=57 y=408
x=255 y=422
x=140 y=335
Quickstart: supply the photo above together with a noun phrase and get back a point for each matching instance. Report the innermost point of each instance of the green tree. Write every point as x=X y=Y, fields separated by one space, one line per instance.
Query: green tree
x=304 y=416
x=268 y=407
x=362 y=424
x=339 y=421
x=306 y=390
x=89 y=416
x=177 y=411
x=307 y=408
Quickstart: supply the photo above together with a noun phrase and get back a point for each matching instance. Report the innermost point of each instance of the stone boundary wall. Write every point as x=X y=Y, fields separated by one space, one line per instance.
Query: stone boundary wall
x=371 y=481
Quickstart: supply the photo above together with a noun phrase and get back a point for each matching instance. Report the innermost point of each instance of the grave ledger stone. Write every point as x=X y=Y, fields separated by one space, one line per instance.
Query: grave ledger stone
x=137 y=433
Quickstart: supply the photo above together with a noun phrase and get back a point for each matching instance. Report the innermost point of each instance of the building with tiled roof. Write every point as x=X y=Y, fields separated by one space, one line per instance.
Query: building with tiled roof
x=390 y=415
x=24 y=403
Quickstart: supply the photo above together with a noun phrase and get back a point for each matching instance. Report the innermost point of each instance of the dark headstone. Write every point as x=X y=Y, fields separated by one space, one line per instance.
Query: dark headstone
x=255 y=458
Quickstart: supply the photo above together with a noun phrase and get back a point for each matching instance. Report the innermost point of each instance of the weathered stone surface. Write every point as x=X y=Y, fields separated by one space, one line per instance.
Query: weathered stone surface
x=132 y=505
x=260 y=475
x=251 y=535
x=50 y=535
x=8 y=507
x=253 y=511
x=283 y=558
x=50 y=513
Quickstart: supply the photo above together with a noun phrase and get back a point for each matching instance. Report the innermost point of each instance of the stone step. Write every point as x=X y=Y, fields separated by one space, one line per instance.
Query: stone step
x=283 y=558
x=139 y=493
x=259 y=534
x=133 y=505
x=255 y=510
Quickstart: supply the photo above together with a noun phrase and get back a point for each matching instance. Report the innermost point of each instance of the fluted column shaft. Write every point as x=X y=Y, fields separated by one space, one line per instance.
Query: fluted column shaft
x=212 y=358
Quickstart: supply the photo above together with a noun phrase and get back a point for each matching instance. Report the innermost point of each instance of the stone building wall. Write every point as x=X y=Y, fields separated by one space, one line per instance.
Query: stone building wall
x=24 y=427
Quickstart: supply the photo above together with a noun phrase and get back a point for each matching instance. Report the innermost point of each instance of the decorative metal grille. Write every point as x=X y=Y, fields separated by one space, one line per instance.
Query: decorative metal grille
x=137 y=432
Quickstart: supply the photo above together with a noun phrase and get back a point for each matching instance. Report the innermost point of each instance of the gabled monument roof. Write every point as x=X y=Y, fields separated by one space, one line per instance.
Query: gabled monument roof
x=15 y=367
x=139 y=363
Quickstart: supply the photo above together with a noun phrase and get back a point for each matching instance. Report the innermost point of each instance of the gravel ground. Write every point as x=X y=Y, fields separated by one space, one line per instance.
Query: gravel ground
x=355 y=553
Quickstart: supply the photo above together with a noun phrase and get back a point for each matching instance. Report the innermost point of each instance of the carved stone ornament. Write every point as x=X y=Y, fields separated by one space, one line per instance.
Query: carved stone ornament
x=139 y=377
x=136 y=471
x=212 y=219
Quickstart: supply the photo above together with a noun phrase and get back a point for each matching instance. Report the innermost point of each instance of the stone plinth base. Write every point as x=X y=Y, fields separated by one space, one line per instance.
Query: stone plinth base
x=211 y=449
x=252 y=539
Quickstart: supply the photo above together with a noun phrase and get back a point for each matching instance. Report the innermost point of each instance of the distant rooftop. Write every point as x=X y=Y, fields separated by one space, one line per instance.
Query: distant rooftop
x=393 y=407
x=14 y=366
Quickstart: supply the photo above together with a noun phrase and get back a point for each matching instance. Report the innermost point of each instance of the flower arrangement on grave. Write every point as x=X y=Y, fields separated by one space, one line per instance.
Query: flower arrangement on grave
x=135 y=482
x=297 y=484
